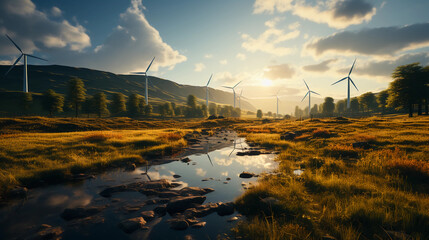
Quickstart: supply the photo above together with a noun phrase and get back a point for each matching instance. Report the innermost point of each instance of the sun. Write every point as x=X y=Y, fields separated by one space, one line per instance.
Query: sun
x=266 y=82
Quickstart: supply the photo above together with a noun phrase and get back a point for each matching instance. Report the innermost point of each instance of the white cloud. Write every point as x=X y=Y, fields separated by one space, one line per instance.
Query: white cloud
x=6 y=62
x=282 y=71
x=223 y=62
x=335 y=13
x=208 y=56
x=294 y=25
x=270 y=40
x=199 y=67
x=241 y=56
x=33 y=30
x=56 y=12
x=200 y=172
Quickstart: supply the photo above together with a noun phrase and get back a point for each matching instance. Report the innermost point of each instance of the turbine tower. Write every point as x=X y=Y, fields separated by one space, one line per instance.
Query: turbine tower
x=348 y=84
x=25 y=55
x=207 y=91
x=277 y=97
x=309 y=98
x=233 y=90
x=145 y=74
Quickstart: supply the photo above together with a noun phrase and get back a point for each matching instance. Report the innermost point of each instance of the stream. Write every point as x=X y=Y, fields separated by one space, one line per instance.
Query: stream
x=214 y=164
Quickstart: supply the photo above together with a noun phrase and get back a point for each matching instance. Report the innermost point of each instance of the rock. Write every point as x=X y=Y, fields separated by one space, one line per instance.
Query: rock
x=180 y=204
x=205 y=179
x=18 y=192
x=199 y=225
x=109 y=191
x=186 y=160
x=177 y=176
x=48 y=232
x=228 y=178
x=148 y=215
x=161 y=210
x=201 y=211
x=225 y=209
x=82 y=176
x=131 y=167
x=328 y=237
x=246 y=175
x=168 y=194
x=233 y=219
x=178 y=224
x=211 y=117
x=132 y=224
x=145 y=187
x=80 y=212
x=363 y=145
x=195 y=191
x=151 y=201
x=226 y=182
x=188 y=237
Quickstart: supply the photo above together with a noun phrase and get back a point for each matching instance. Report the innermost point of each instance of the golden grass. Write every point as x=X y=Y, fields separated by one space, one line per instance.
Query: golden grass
x=345 y=192
x=29 y=157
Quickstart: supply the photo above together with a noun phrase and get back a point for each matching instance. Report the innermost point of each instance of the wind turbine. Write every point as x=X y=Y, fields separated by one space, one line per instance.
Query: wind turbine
x=348 y=84
x=145 y=74
x=233 y=90
x=309 y=97
x=277 y=97
x=207 y=91
x=239 y=99
x=25 y=55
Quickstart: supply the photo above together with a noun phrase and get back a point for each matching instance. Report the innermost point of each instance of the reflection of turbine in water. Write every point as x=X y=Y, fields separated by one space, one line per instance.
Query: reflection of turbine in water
x=207 y=152
x=147 y=171
x=234 y=148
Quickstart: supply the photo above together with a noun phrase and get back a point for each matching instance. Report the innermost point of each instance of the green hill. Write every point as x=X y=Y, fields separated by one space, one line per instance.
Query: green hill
x=42 y=78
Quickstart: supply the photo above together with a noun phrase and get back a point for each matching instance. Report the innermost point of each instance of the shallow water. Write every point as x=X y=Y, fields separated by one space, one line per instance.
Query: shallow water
x=44 y=205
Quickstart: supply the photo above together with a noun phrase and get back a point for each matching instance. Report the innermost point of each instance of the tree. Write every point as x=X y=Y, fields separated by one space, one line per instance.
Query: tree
x=259 y=113
x=52 y=102
x=26 y=101
x=148 y=110
x=212 y=109
x=341 y=106
x=192 y=101
x=236 y=112
x=368 y=101
x=382 y=100
x=133 y=104
x=88 y=106
x=328 y=106
x=100 y=104
x=204 y=110
x=354 y=105
x=407 y=88
x=269 y=114
x=166 y=110
x=118 y=106
x=314 y=110
x=298 y=112
x=76 y=93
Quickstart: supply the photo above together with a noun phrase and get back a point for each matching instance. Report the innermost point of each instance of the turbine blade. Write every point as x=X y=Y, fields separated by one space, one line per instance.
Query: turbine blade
x=351 y=69
x=138 y=72
x=209 y=80
x=227 y=87
x=14 y=44
x=305 y=96
x=241 y=92
x=236 y=84
x=353 y=83
x=315 y=93
x=306 y=85
x=36 y=57
x=150 y=64
x=342 y=79
x=17 y=60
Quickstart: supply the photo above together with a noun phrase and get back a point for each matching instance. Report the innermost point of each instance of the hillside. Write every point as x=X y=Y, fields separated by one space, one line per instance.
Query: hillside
x=42 y=78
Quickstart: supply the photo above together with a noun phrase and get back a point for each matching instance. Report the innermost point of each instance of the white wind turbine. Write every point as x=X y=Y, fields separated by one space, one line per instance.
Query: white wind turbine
x=207 y=91
x=348 y=84
x=233 y=90
x=277 y=97
x=25 y=55
x=145 y=74
x=309 y=97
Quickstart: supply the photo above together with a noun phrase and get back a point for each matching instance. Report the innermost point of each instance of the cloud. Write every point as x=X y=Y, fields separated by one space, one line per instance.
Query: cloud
x=33 y=30
x=269 y=40
x=199 y=67
x=282 y=71
x=373 y=41
x=208 y=56
x=320 y=67
x=200 y=172
x=241 y=56
x=56 y=12
x=223 y=62
x=335 y=13
x=385 y=68
x=229 y=79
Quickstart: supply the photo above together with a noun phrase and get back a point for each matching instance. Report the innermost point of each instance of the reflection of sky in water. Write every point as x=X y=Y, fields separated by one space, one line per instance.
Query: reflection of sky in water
x=45 y=205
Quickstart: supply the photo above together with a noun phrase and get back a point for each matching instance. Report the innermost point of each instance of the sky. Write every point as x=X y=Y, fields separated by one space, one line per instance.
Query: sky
x=269 y=45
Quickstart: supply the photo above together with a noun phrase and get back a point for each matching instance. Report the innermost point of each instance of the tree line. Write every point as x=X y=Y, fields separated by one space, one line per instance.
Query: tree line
x=77 y=101
x=408 y=91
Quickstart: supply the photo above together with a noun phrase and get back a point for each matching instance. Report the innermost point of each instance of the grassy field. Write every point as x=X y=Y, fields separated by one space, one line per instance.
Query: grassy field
x=376 y=190
x=27 y=158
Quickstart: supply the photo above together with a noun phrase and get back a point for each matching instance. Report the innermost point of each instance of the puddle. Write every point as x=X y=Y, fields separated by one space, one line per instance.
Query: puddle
x=44 y=205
